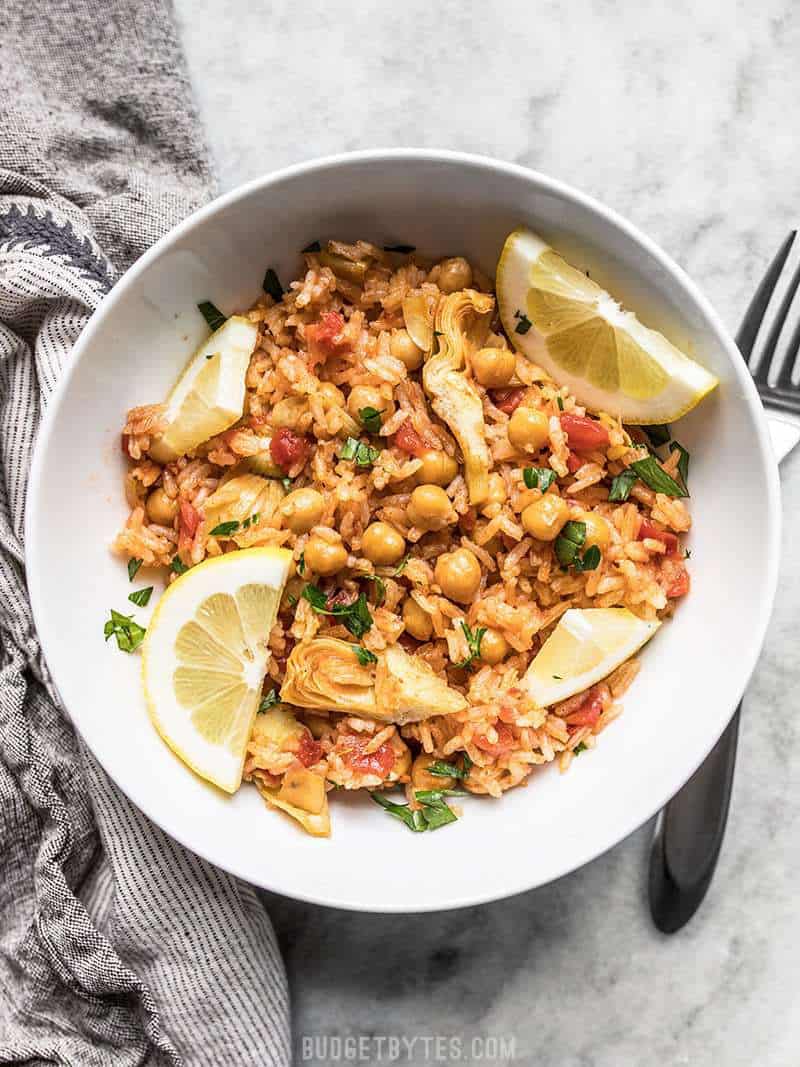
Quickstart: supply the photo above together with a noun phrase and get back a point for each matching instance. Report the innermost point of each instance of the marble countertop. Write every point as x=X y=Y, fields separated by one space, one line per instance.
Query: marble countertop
x=681 y=117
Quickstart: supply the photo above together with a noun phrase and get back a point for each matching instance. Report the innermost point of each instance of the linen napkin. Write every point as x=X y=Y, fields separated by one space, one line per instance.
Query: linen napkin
x=117 y=947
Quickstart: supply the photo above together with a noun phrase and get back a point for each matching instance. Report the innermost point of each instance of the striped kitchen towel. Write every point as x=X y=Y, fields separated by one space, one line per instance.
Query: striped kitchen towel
x=117 y=947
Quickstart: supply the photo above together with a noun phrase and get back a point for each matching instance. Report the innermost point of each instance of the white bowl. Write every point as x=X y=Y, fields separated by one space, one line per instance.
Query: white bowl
x=694 y=671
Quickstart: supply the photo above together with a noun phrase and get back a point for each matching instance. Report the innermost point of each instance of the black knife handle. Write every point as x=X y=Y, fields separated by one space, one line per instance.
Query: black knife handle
x=689 y=835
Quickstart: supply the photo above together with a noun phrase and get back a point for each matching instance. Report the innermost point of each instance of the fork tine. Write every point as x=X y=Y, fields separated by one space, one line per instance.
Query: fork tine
x=784 y=380
x=762 y=367
x=754 y=316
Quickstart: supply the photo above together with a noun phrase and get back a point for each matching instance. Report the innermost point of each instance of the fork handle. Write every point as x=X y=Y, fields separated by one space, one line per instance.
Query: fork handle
x=689 y=834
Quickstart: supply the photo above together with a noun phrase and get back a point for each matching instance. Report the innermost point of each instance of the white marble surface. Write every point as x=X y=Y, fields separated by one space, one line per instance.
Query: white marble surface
x=683 y=117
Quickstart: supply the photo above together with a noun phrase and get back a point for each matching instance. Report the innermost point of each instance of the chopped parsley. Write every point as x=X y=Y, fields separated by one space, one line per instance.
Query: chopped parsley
x=622 y=484
x=658 y=435
x=433 y=814
x=380 y=587
x=523 y=323
x=653 y=475
x=251 y=520
x=129 y=634
x=371 y=419
x=683 y=463
x=272 y=285
x=141 y=598
x=133 y=568
x=568 y=545
x=212 y=314
x=178 y=566
x=315 y=246
x=287 y=484
x=365 y=657
x=225 y=529
x=402 y=249
x=301 y=564
x=473 y=638
x=362 y=454
x=687 y=553
x=442 y=769
x=356 y=616
x=538 y=478
x=401 y=566
x=269 y=701
x=560 y=402
x=580 y=747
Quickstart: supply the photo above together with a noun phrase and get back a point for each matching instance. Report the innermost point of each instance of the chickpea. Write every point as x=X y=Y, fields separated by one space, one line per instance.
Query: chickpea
x=288 y=412
x=367 y=396
x=494 y=367
x=528 y=429
x=597 y=530
x=497 y=490
x=403 y=348
x=494 y=647
x=302 y=509
x=382 y=544
x=324 y=557
x=458 y=574
x=544 y=518
x=417 y=621
x=331 y=394
x=454 y=274
x=429 y=508
x=161 y=509
x=437 y=468
x=422 y=779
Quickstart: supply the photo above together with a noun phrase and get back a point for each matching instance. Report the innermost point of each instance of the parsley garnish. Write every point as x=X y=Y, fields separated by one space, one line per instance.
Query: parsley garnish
x=683 y=463
x=568 y=543
x=365 y=657
x=287 y=484
x=315 y=246
x=141 y=598
x=580 y=747
x=251 y=520
x=473 y=639
x=658 y=434
x=538 y=478
x=523 y=322
x=401 y=566
x=653 y=475
x=380 y=587
x=560 y=402
x=363 y=454
x=212 y=314
x=622 y=484
x=225 y=529
x=442 y=769
x=272 y=285
x=133 y=568
x=403 y=249
x=301 y=564
x=687 y=553
x=129 y=634
x=178 y=566
x=269 y=701
x=433 y=814
x=356 y=616
x=371 y=419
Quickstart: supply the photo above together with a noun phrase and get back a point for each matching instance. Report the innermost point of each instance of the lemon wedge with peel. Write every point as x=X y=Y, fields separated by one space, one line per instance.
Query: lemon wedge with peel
x=563 y=321
x=585 y=647
x=205 y=655
x=208 y=397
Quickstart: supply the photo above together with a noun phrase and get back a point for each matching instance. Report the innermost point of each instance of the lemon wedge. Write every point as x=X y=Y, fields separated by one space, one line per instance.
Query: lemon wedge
x=564 y=322
x=205 y=655
x=585 y=647
x=208 y=397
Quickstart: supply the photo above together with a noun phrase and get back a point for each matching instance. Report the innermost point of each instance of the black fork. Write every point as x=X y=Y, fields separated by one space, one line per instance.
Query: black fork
x=690 y=829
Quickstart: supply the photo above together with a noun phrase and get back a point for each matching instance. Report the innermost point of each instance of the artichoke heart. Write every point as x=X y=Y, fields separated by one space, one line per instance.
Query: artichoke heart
x=462 y=323
x=246 y=499
x=325 y=673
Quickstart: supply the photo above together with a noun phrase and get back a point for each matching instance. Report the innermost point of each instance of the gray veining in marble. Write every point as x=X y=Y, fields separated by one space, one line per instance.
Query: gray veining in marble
x=683 y=116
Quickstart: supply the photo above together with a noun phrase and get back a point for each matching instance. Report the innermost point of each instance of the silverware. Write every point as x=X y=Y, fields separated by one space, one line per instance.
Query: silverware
x=690 y=829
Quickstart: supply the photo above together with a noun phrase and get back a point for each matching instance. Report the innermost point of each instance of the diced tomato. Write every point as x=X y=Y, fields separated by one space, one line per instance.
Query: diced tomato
x=189 y=519
x=667 y=539
x=574 y=461
x=679 y=585
x=468 y=520
x=379 y=762
x=310 y=751
x=508 y=400
x=589 y=712
x=326 y=337
x=583 y=434
x=503 y=744
x=409 y=440
x=287 y=448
